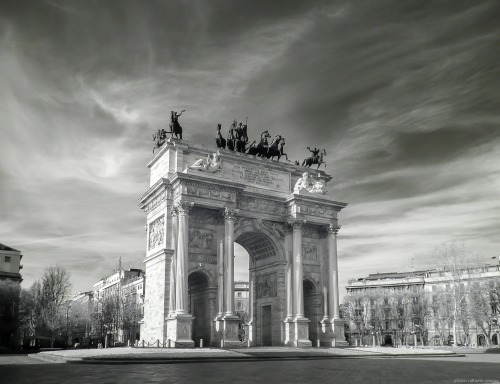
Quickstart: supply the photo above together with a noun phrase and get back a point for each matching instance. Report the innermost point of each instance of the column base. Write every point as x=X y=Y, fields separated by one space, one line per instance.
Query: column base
x=338 y=327
x=326 y=333
x=179 y=331
x=231 y=331
x=289 y=332
x=302 y=332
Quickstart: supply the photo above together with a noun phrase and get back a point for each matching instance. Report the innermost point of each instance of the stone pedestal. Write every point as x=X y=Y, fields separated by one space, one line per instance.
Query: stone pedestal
x=289 y=332
x=179 y=331
x=326 y=333
x=230 y=329
x=302 y=332
x=339 y=340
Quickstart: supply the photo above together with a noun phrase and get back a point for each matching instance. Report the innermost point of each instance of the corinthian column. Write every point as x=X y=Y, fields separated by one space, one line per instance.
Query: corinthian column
x=298 y=288
x=333 y=274
x=229 y=219
x=173 y=270
x=289 y=269
x=181 y=292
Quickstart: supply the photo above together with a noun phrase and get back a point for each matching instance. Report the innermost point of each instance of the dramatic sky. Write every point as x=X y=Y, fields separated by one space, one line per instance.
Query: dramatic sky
x=404 y=96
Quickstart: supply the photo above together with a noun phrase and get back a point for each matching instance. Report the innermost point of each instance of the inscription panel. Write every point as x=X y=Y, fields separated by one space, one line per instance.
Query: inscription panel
x=258 y=176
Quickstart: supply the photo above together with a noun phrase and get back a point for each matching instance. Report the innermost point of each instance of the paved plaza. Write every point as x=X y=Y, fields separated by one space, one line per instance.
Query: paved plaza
x=266 y=365
x=343 y=368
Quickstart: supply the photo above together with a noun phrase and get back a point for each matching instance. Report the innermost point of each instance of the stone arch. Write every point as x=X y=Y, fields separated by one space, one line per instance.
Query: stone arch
x=265 y=248
x=200 y=295
x=259 y=241
x=312 y=307
x=205 y=272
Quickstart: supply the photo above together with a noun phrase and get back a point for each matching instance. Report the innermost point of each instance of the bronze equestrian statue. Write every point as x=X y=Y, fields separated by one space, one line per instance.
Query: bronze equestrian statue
x=316 y=158
x=175 y=127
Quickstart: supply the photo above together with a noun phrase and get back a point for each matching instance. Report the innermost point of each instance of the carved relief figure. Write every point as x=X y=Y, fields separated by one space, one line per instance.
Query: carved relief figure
x=200 y=239
x=308 y=184
x=159 y=138
x=266 y=285
x=212 y=164
x=156 y=232
x=310 y=251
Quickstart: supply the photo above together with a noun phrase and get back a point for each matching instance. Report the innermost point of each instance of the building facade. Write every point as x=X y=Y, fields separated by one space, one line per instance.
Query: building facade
x=10 y=288
x=414 y=308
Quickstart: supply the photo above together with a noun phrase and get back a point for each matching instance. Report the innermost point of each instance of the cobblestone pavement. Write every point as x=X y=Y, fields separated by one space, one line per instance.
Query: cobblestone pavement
x=469 y=369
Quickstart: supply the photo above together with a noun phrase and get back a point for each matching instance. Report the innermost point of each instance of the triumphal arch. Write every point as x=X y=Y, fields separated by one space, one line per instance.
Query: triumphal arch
x=200 y=202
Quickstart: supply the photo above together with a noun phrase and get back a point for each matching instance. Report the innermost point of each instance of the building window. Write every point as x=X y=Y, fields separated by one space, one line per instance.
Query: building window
x=7 y=259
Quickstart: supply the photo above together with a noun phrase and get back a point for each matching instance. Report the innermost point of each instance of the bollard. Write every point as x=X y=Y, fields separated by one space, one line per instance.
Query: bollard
x=128 y=343
x=317 y=343
x=222 y=343
x=248 y=343
x=201 y=343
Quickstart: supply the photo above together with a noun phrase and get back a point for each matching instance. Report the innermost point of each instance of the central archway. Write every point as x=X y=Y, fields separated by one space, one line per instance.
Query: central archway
x=266 y=282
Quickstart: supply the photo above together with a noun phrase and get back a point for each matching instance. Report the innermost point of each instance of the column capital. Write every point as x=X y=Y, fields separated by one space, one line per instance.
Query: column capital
x=296 y=224
x=174 y=210
x=230 y=213
x=184 y=207
x=333 y=229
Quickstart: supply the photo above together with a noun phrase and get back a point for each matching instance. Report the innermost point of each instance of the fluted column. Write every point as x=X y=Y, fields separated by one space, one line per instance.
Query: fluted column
x=298 y=288
x=229 y=219
x=289 y=269
x=181 y=292
x=333 y=275
x=173 y=264
x=220 y=275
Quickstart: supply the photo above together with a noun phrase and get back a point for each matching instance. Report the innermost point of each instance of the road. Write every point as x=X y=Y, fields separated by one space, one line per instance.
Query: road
x=477 y=368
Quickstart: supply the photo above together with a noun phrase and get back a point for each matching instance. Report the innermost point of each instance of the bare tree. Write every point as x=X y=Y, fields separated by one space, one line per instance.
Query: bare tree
x=454 y=261
x=483 y=305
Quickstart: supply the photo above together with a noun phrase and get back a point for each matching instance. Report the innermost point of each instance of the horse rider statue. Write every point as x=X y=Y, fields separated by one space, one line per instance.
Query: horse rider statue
x=175 y=127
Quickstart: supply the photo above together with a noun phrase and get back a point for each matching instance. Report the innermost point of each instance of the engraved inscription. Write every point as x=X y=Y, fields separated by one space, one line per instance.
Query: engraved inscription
x=260 y=176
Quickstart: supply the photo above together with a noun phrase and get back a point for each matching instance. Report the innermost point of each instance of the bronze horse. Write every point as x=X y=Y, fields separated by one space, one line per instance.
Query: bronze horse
x=313 y=160
x=241 y=139
x=273 y=150
x=219 y=140
x=263 y=146
x=252 y=150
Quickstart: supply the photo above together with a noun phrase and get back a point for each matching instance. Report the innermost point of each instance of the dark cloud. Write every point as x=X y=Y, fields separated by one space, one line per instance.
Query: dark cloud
x=402 y=94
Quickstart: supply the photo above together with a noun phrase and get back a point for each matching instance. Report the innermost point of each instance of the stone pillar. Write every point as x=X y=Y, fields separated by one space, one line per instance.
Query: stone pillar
x=301 y=329
x=288 y=322
x=180 y=323
x=333 y=279
x=333 y=272
x=289 y=270
x=298 y=288
x=173 y=271
x=220 y=276
x=181 y=292
x=229 y=219
x=249 y=337
x=231 y=320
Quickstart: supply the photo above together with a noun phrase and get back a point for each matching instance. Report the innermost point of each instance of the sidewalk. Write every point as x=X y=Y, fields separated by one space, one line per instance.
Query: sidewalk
x=129 y=355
